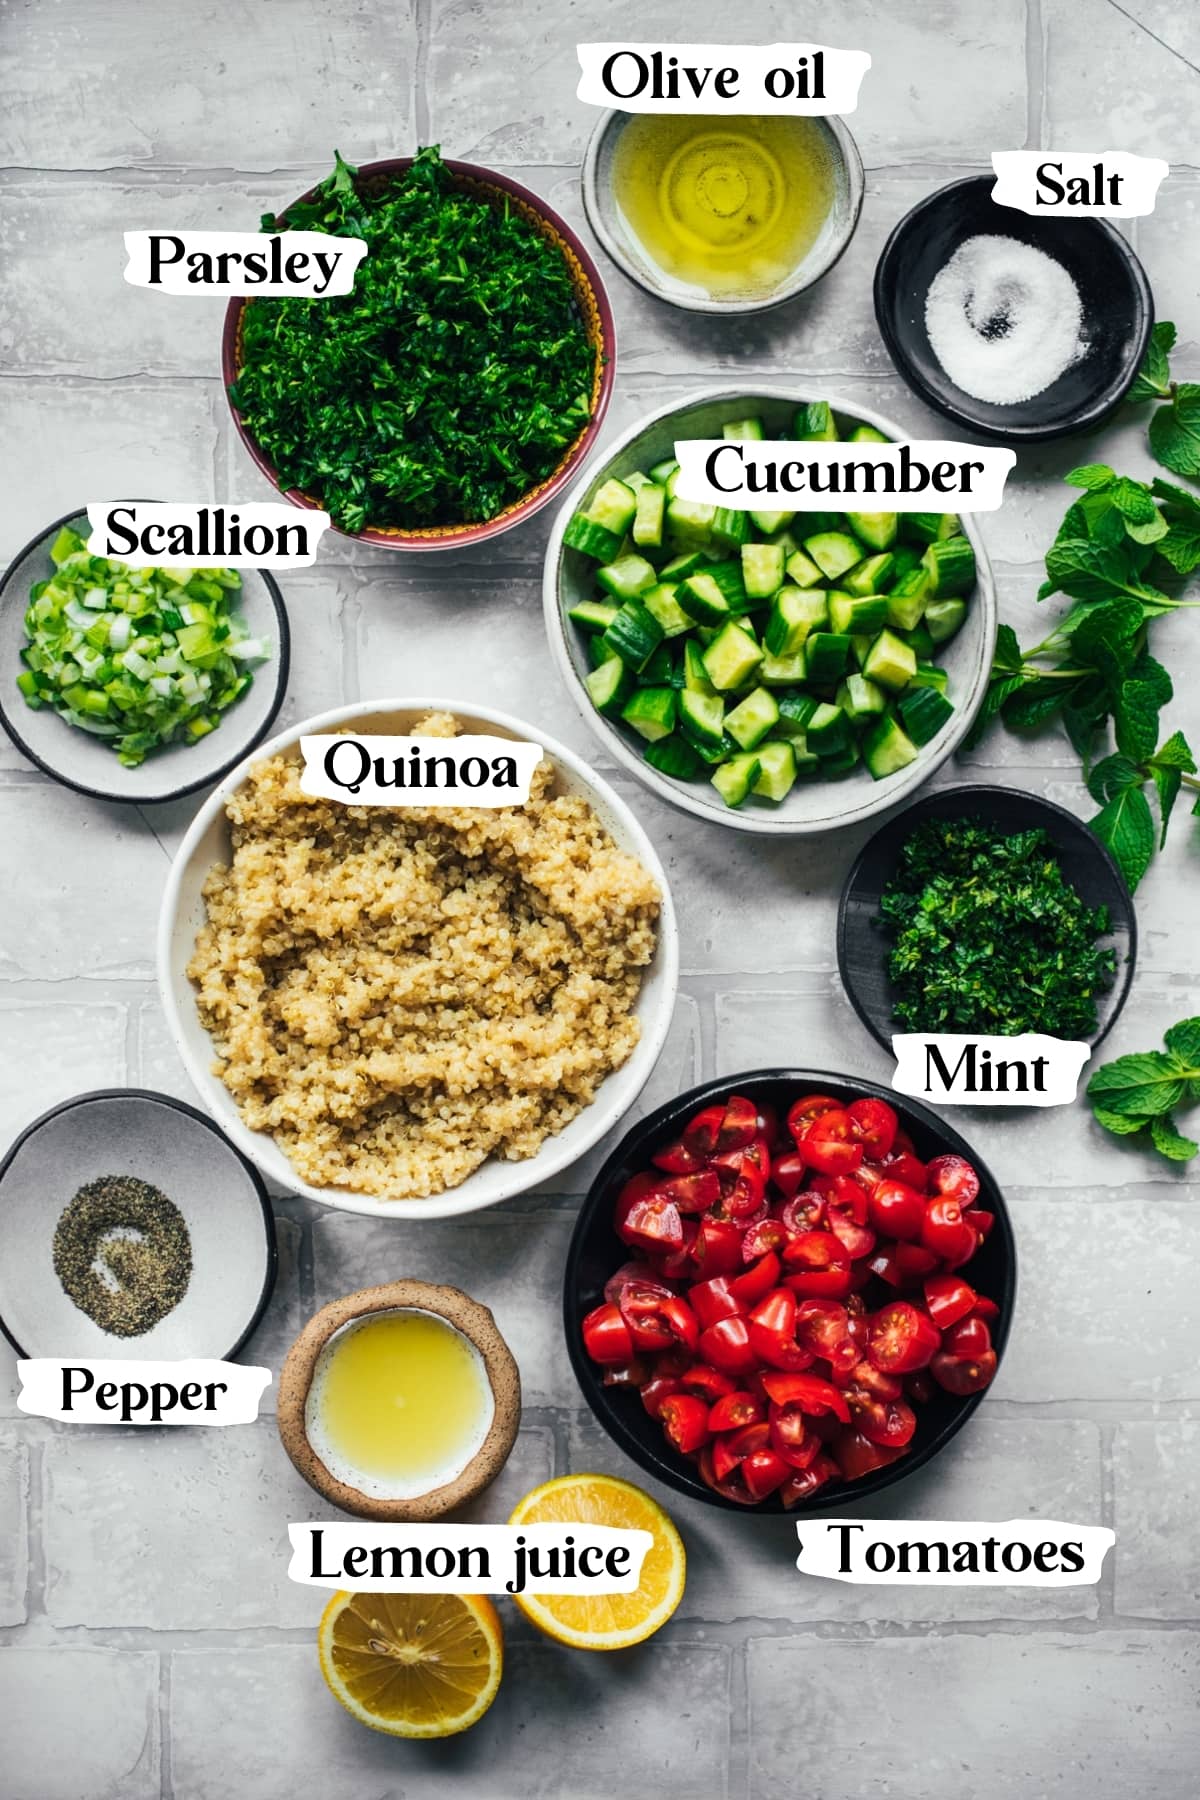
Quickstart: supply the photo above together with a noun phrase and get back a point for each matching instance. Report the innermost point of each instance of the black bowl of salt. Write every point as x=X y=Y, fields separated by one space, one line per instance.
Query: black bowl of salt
x=1020 y=328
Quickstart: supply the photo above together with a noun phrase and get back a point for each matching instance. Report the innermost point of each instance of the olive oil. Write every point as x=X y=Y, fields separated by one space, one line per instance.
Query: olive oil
x=726 y=206
x=399 y=1403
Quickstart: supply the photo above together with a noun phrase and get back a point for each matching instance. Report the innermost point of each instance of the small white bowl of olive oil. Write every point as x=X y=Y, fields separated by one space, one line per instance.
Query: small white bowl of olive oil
x=722 y=215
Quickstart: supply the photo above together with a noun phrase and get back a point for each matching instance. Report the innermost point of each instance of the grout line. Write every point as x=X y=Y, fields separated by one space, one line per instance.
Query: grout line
x=422 y=26
x=1035 y=76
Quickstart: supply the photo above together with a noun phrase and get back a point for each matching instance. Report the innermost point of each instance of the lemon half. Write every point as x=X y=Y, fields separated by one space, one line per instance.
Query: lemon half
x=413 y=1665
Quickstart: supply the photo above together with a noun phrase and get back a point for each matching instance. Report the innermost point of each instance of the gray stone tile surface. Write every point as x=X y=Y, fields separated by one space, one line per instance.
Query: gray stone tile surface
x=150 y=1643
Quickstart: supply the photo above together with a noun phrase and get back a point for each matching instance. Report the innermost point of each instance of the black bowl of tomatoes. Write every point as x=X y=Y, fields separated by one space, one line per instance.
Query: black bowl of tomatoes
x=788 y=1289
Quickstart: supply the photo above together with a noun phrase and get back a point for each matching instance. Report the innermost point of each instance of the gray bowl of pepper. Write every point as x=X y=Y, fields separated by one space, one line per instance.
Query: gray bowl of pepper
x=129 y=1226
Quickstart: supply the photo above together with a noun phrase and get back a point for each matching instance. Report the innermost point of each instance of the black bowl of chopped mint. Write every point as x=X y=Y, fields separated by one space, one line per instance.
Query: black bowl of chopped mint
x=457 y=387
x=986 y=910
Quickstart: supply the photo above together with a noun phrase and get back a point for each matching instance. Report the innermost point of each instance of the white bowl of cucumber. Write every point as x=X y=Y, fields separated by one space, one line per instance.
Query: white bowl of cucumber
x=778 y=673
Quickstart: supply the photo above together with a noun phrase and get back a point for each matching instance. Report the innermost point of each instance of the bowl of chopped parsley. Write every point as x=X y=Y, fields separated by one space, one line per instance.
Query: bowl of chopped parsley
x=456 y=389
x=986 y=910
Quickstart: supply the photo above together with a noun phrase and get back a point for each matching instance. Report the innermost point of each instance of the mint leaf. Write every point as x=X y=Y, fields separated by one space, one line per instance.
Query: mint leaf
x=1140 y=1085
x=1093 y=476
x=1170 y=762
x=1133 y=499
x=1175 y=432
x=1110 y=776
x=1168 y=1141
x=1183 y=1041
x=1090 y=571
x=1147 y=531
x=999 y=689
x=1153 y=379
x=1118 y=1123
x=1008 y=649
x=1181 y=549
x=1177 y=501
x=1135 y=719
x=1127 y=827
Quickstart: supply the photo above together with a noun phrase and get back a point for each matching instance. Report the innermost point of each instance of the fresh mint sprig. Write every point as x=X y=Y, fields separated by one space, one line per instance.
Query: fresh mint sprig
x=1122 y=555
x=1139 y=1094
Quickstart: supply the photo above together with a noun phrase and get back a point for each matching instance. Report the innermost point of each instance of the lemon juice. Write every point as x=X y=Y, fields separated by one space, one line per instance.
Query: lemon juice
x=399 y=1404
x=729 y=206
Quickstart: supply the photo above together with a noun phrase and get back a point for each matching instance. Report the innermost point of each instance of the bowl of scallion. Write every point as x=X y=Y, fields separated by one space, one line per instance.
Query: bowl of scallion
x=137 y=684
x=459 y=385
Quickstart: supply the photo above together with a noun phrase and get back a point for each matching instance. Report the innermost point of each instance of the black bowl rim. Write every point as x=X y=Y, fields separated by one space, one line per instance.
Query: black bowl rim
x=282 y=660
x=676 y=1473
x=152 y=1096
x=974 y=793
x=1085 y=417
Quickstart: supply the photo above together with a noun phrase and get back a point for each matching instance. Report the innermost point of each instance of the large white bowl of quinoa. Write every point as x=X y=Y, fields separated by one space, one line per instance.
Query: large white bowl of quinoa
x=415 y=1012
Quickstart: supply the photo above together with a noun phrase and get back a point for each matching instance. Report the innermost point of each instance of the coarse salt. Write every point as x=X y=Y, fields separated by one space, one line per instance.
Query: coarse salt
x=1004 y=319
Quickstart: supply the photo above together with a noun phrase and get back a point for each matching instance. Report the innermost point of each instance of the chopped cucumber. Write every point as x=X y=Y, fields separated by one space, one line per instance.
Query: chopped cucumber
x=612 y=506
x=943 y=618
x=891 y=662
x=860 y=698
x=609 y=686
x=675 y=756
x=878 y=529
x=869 y=576
x=887 y=748
x=593 y=615
x=815 y=423
x=827 y=729
x=731 y=658
x=752 y=430
x=702 y=721
x=592 y=539
x=802 y=570
x=680 y=567
x=769 y=523
x=662 y=472
x=661 y=603
x=782 y=671
x=777 y=770
x=634 y=635
x=695 y=676
x=833 y=552
x=691 y=520
x=752 y=719
x=852 y=616
x=652 y=712
x=734 y=779
x=795 y=613
x=951 y=567
x=762 y=570
x=628 y=577
x=648 y=519
x=907 y=601
x=703 y=600
x=826 y=655
x=923 y=712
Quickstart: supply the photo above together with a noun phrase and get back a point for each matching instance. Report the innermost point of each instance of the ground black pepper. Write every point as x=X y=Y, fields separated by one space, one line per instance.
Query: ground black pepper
x=123 y=1254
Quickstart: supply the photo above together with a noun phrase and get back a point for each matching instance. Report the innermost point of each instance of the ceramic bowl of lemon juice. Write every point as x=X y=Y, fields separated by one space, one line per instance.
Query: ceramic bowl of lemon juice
x=722 y=215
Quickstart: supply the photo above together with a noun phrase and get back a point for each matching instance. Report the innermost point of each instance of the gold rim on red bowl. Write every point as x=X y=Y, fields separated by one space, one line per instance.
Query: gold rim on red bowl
x=594 y=309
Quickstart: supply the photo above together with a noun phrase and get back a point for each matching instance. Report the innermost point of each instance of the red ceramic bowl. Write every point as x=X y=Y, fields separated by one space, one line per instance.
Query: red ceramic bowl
x=597 y=317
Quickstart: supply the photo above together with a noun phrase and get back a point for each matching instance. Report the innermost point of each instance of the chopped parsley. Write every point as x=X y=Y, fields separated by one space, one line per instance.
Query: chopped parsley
x=451 y=380
x=990 y=937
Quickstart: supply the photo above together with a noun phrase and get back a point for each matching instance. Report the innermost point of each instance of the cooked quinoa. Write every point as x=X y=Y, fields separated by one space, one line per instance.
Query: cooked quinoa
x=397 y=994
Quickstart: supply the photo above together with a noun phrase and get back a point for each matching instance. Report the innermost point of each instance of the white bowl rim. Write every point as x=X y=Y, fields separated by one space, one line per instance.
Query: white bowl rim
x=805 y=275
x=881 y=796
x=260 y=1147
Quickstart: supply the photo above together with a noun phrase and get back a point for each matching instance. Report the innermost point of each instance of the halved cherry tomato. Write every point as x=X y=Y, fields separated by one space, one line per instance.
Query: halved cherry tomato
x=732 y=1411
x=944 y=1233
x=702 y=1130
x=903 y=1166
x=677 y=1159
x=806 y=1482
x=823 y=1327
x=987 y=1309
x=875 y=1126
x=809 y=1392
x=606 y=1336
x=961 y=1374
x=895 y=1209
x=791 y=1432
x=685 y=1420
x=817 y=1265
x=768 y=1234
x=889 y=1422
x=970 y=1338
x=880 y=1386
x=885 y=1265
x=647 y=1219
x=657 y=1320
x=657 y=1390
x=709 y=1383
x=801 y=1113
x=692 y=1193
x=913 y=1263
x=726 y=1345
x=713 y=1300
x=857 y=1456
x=902 y=1338
x=631 y=1374
x=680 y=1265
x=981 y=1222
x=953 y=1177
x=743 y=1179
x=773 y=1332
x=634 y=1274
x=731 y=1487
x=805 y=1211
x=788 y=1172
x=918 y=1387
x=949 y=1299
x=739 y=1126
x=763 y=1471
x=718 y=1248
x=757 y=1281
x=828 y=1144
